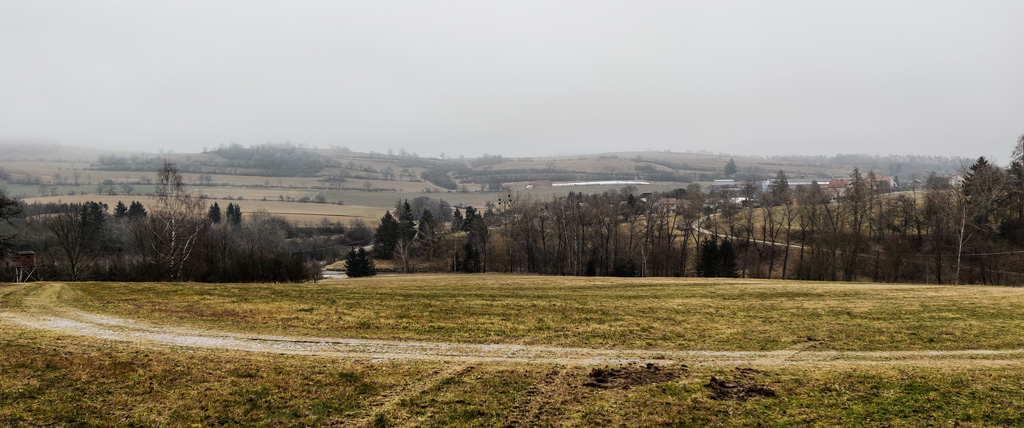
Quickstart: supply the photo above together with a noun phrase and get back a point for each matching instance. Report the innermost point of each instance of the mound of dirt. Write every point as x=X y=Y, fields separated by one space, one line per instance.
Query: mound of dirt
x=630 y=375
x=742 y=389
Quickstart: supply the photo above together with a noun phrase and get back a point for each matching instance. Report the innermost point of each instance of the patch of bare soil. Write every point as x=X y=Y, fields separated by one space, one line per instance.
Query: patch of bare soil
x=631 y=375
x=742 y=388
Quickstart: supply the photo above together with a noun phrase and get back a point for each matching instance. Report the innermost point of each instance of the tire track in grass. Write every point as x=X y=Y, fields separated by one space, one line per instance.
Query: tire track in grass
x=384 y=405
x=39 y=309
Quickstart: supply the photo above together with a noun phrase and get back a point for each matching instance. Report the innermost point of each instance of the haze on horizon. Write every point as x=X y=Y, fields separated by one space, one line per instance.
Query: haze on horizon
x=524 y=78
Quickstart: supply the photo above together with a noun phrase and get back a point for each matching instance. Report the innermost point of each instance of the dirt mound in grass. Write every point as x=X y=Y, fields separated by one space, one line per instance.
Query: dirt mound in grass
x=630 y=375
x=741 y=389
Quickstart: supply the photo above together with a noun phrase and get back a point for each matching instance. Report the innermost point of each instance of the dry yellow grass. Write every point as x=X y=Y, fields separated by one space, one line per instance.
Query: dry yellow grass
x=645 y=313
x=303 y=213
x=57 y=380
x=47 y=171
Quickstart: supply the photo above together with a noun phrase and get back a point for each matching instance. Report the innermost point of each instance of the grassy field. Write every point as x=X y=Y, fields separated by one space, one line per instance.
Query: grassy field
x=57 y=381
x=649 y=313
x=53 y=379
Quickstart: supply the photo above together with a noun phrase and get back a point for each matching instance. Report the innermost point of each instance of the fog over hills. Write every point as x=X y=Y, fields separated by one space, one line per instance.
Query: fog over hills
x=517 y=79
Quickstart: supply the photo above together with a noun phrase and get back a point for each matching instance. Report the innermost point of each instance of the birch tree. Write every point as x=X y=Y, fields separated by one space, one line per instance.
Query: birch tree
x=976 y=197
x=175 y=221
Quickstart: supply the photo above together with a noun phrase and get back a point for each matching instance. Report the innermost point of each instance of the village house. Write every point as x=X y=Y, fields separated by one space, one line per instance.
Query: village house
x=671 y=205
x=793 y=183
x=837 y=187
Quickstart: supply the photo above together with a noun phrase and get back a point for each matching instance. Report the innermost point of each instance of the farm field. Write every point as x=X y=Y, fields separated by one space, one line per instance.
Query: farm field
x=364 y=199
x=365 y=206
x=495 y=350
x=627 y=161
x=48 y=175
x=299 y=212
x=386 y=200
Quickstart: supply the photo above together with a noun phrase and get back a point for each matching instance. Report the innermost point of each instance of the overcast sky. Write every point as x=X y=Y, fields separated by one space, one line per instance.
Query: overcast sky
x=518 y=78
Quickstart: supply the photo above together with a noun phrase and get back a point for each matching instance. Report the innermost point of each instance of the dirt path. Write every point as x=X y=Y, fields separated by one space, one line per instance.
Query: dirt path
x=41 y=309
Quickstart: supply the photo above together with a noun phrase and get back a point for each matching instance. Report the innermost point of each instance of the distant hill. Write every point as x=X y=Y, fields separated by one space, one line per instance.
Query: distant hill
x=288 y=172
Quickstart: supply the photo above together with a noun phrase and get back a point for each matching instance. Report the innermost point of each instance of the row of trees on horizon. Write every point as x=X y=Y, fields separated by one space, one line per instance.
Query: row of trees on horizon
x=177 y=238
x=966 y=228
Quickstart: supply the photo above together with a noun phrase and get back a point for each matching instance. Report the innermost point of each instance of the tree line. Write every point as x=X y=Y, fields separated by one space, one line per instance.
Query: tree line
x=176 y=238
x=278 y=160
x=965 y=228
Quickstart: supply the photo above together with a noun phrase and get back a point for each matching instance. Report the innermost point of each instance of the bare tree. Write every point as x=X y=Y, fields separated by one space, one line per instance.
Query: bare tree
x=850 y=221
x=403 y=252
x=816 y=260
x=261 y=234
x=9 y=208
x=774 y=219
x=67 y=228
x=106 y=186
x=692 y=211
x=1015 y=180
x=175 y=222
x=937 y=213
x=76 y=230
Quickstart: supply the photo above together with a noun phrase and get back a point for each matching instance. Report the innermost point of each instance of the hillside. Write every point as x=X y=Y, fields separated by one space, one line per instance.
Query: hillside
x=338 y=176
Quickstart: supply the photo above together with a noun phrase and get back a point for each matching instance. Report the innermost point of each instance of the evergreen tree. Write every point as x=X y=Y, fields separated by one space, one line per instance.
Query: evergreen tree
x=214 y=214
x=136 y=210
x=471 y=261
x=9 y=208
x=367 y=262
x=727 y=260
x=358 y=264
x=120 y=210
x=717 y=259
x=229 y=212
x=386 y=237
x=425 y=232
x=730 y=168
x=406 y=234
x=94 y=213
x=235 y=218
x=471 y=220
x=476 y=237
x=457 y=220
x=983 y=187
x=781 y=195
x=425 y=229
x=406 y=223
x=706 y=261
x=623 y=268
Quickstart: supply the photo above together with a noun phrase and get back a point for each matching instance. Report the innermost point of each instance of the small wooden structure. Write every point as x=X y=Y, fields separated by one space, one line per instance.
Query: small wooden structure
x=26 y=267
